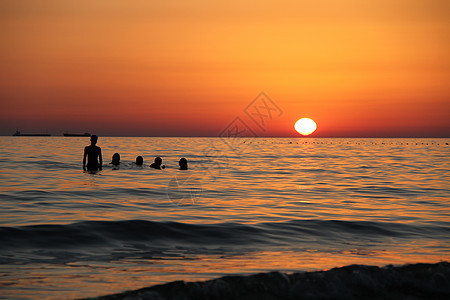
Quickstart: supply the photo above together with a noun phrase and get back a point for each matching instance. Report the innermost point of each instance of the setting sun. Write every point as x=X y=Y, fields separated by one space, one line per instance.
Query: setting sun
x=305 y=126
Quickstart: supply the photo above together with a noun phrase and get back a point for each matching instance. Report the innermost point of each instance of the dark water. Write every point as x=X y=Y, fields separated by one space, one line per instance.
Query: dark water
x=355 y=282
x=148 y=240
x=249 y=206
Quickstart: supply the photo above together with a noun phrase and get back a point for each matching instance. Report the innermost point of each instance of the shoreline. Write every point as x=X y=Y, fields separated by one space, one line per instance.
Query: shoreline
x=411 y=281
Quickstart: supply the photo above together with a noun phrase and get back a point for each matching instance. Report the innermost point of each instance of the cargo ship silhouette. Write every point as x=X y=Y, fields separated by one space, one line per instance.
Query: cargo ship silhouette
x=18 y=133
x=77 y=134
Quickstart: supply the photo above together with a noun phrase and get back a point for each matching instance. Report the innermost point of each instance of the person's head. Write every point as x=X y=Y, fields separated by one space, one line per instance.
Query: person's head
x=94 y=139
x=139 y=161
x=158 y=161
x=115 y=159
x=183 y=164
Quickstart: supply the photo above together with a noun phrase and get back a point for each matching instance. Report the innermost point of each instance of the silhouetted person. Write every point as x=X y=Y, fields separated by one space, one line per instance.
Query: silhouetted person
x=157 y=164
x=183 y=164
x=139 y=161
x=94 y=155
x=115 y=159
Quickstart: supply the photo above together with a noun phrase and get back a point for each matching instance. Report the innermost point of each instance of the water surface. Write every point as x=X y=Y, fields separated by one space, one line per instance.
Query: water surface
x=244 y=206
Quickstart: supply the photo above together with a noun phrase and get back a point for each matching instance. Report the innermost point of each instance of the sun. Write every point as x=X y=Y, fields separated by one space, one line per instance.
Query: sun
x=305 y=126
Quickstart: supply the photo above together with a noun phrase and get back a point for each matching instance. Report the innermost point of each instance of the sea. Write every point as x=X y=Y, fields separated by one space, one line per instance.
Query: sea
x=244 y=206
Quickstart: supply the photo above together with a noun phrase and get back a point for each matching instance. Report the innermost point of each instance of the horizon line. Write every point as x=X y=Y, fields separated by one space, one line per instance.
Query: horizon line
x=215 y=136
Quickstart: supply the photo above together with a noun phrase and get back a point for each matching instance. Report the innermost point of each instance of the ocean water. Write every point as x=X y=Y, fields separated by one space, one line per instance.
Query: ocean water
x=244 y=206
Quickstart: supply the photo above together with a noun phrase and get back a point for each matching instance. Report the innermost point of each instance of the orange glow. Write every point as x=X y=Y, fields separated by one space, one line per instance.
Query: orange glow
x=145 y=68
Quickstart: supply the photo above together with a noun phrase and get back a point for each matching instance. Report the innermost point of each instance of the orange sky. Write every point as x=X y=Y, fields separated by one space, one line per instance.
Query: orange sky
x=188 y=68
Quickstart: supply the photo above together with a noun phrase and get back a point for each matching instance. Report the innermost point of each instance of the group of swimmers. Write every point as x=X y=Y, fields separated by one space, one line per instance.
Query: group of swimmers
x=157 y=164
x=93 y=153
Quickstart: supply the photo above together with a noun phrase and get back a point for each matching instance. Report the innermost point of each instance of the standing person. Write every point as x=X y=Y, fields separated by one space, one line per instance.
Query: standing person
x=94 y=155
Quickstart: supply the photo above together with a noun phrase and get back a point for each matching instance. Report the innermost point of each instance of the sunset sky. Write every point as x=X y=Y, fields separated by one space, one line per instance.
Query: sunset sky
x=188 y=68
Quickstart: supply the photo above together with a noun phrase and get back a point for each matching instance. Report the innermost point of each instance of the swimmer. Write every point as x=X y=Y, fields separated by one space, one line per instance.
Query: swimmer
x=115 y=159
x=139 y=161
x=183 y=164
x=157 y=164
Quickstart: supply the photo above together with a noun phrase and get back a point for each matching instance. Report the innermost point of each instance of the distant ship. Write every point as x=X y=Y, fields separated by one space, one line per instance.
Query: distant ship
x=77 y=134
x=18 y=133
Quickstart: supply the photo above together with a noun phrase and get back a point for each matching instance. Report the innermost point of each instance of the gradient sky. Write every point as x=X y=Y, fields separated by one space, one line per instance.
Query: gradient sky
x=188 y=68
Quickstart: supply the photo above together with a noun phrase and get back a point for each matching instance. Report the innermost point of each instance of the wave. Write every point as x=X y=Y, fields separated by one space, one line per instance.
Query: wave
x=165 y=234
